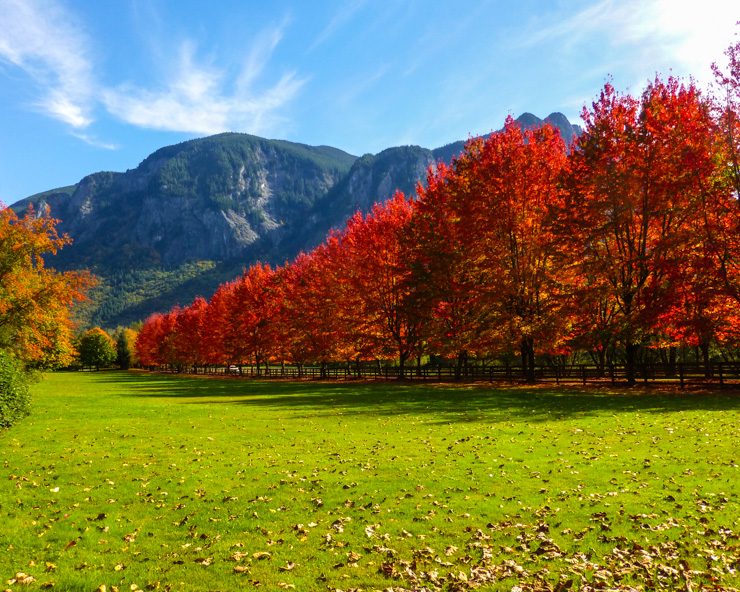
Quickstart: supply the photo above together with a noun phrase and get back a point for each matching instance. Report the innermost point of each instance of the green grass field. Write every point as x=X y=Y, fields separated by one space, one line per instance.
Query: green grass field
x=134 y=481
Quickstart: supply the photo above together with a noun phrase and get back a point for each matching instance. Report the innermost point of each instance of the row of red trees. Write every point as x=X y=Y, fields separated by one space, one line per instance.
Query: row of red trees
x=627 y=238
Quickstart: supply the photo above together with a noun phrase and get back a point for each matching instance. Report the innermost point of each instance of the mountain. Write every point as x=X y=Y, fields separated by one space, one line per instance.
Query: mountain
x=567 y=130
x=214 y=198
x=192 y=215
x=372 y=179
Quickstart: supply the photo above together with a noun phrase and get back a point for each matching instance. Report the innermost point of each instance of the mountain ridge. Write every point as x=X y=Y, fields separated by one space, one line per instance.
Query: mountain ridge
x=194 y=214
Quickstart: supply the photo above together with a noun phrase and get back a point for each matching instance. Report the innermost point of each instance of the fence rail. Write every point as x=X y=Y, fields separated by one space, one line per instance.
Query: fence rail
x=718 y=373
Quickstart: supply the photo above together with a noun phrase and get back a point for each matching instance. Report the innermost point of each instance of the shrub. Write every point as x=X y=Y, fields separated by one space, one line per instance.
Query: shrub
x=14 y=396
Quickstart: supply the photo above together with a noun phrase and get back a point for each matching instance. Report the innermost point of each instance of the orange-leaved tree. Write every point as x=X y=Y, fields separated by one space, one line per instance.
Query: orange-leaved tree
x=638 y=174
x=374 y=264
x=190 y=342
x=154 y=343
x=723 y=219
x=447 y=287
x=309 y=326
x=242 y=319
x=485 y=244
x=515 y=188
x=35 y=300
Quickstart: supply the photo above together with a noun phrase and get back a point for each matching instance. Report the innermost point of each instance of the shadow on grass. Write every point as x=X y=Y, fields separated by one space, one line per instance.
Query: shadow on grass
x=448 y=403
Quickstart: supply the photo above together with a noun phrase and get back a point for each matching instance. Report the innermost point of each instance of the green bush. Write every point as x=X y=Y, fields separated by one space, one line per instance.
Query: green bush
x=14 y=397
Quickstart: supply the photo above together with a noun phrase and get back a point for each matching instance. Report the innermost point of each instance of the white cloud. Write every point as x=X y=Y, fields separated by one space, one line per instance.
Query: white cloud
x=258 y=56
x=343 y=16
x=46 y=42
x=679 y=35
x=42 y=39
x=696 y=34
x=95 y=142
x=198 y=97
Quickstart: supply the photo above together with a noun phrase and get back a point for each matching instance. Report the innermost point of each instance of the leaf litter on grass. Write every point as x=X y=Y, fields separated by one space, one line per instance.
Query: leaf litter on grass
x=522 y=494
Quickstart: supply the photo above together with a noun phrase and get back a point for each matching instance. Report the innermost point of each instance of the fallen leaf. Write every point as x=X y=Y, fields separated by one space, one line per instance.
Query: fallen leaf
x=22 y=578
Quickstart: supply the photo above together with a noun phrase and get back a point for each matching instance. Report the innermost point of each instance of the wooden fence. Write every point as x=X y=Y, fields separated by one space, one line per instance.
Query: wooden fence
x=719 y=373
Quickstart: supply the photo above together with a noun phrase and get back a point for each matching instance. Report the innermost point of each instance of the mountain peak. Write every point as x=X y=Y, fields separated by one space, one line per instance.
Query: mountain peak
x=192 y=215
x=528 y=120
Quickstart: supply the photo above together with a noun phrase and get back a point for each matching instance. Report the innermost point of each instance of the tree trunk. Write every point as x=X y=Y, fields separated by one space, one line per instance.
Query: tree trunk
x=704 y=347
x=630 y=351
x=671 y=362
x=461 y=358
x=531 y=374
x=527 y=352
x=401 y=364
x=601 y=354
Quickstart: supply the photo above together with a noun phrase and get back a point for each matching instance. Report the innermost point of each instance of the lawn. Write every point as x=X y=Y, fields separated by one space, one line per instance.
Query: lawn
x=136 y=481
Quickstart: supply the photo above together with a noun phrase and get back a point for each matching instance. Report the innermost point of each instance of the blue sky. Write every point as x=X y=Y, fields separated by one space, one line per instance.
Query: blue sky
x=89 y=85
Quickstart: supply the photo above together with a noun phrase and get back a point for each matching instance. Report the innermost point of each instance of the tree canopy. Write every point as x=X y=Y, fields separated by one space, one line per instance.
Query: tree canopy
x=624 y=242
x=96 y=348
x=35 y=301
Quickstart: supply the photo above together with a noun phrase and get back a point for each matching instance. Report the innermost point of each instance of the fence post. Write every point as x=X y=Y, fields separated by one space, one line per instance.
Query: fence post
x=721 y=378
x=583 y=374
x=680 y=373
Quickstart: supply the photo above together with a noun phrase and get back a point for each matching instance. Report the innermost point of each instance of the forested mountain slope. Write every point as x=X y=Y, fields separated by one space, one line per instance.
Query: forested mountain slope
x=192 y=215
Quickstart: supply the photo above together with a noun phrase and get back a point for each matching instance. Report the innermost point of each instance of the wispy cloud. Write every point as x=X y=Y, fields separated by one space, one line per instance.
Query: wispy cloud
x=259 y=55
x=45 y=41
x=361 y=84
x=675 y=33
x=343 y=16
x=202 y=98
x=95 y=142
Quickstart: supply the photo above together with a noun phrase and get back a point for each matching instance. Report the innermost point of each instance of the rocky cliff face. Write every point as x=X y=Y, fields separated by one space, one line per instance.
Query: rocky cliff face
x=217 y=198
x=372 y=179
x=193 y=215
